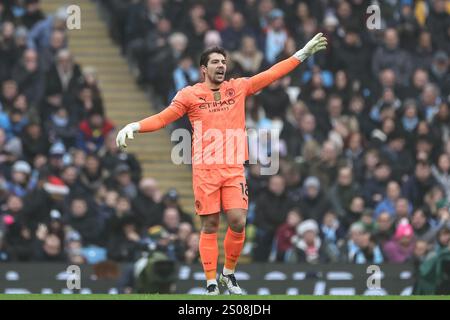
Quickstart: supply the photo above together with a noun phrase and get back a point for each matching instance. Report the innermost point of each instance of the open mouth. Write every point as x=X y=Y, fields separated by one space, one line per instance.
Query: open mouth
x=220 y=72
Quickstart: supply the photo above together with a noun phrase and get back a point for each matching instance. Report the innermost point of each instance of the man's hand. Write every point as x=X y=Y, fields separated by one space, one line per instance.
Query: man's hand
x=127 y=132
x=315 y=44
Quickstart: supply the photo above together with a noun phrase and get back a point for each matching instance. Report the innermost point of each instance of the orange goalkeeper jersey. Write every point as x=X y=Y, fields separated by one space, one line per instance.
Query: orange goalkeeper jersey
x=217 y=116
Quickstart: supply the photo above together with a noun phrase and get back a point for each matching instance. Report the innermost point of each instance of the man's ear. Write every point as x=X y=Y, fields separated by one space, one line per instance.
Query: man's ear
x=203 y=71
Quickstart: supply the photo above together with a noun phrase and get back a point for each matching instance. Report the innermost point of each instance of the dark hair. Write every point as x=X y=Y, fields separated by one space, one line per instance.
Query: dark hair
x=204 y=58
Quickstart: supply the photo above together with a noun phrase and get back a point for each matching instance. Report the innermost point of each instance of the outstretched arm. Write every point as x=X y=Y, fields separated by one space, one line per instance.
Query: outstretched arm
x=282 y=68
x=153 y=123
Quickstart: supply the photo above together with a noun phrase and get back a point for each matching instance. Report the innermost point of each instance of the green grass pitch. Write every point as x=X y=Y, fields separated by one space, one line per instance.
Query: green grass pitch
x=202 y=297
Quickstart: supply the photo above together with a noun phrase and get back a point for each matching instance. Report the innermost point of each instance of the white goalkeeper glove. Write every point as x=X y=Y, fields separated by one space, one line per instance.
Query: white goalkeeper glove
x=315 y=44
x=127 y=132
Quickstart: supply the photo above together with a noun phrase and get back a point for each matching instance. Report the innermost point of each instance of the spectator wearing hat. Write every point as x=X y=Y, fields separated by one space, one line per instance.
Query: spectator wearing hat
x=400 y=249
x=10 y=150
x=73 y=246
x=313 y=202
x=20 y=178
x=162 y=240
x=56 y=224
x=351 y=247
x=308 y=246
x=275 y=37
x=56 y=159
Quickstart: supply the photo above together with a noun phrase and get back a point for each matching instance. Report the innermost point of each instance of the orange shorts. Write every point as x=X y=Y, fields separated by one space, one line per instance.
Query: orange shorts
x=219 y=188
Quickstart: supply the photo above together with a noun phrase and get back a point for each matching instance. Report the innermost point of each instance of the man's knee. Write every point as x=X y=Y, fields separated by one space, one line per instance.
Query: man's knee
x=210 y=223
x=237 y=221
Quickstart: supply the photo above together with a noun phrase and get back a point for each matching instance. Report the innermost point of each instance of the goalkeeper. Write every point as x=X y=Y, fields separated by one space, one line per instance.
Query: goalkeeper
x=216 y=105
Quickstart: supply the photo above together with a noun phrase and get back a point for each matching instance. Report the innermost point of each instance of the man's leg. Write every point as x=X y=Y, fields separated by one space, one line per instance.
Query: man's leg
x=208 y=246
x=234 y=196
x=234 y=238
x=233 y=244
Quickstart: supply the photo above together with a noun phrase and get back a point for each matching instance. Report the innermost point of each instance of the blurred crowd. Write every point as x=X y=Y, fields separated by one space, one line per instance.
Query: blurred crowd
x=67 y=193
x=364 y=127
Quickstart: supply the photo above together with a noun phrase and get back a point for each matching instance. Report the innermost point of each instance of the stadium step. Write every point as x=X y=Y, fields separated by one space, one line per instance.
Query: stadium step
x=124 y=100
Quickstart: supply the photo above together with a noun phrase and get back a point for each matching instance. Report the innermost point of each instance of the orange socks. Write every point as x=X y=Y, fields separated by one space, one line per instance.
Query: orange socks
x=233 y=244
x=209 y=252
